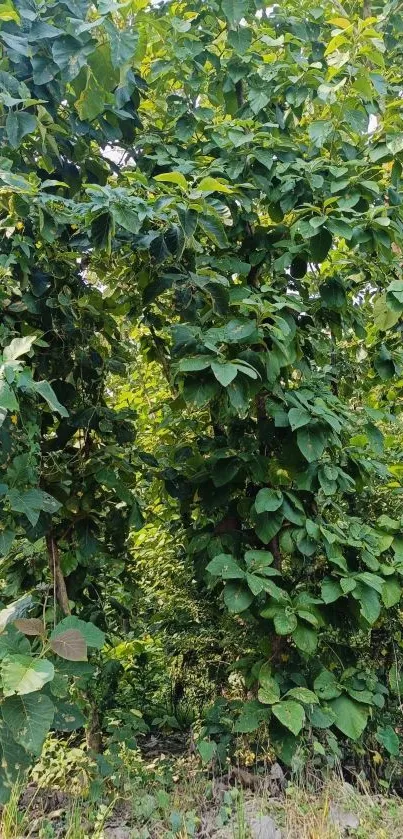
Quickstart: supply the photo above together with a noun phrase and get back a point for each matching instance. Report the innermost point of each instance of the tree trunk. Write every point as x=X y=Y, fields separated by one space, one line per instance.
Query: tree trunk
x=57 y=574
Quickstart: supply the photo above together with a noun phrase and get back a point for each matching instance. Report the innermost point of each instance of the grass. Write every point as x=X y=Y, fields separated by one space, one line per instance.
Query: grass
x=175 y=799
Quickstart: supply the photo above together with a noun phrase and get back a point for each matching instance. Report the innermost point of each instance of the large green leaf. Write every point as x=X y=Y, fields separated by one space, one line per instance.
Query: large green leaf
x=268 y=500
x=351 y=717
x=269 y=691
x=31 y=502
x=67 y=717
x=29 y=719
x=22 y=674
x=291 y=714
x=388 y=739
x=326 y=685
x=267 y=525
x=237 y=598
x=311 y=441
x=285 y=623
x=308 y=697
x=305 y=639
x=234 y=10
x=14 y=763
x=224 y=372
x=225 y=566
x=46 y=391
x=18 y=125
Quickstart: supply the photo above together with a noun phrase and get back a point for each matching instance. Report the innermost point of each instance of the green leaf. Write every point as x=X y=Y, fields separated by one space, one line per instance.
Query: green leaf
x=240 y=39
x=391 y=592
x=8 y=401
x=249 y=719
x=234 y=10
x=320 y=245
x=321 y=717
x=298 y=417
x=370 y=605
x=330 y=590
x=91 y=101
x=266 y=678
x=213 y=185
x=303 y=695
x=18 y=125
x=172 y=178
x=350 y=717
x=68 y=717
x=29 y=719
x=18 y=347
x=199 y=393
x=14 y=763
x=224 y=566
x=384 y=316
x=224 y=372
x=102 y=229
x=268 y=500
x=311 y=442
x=269 y=691
x=6 y=540
x=291 y=714
x=305 y=639
x=214 y=229
x=206 y=749
x=319 y=131
x=127 y=217
x=192 y=365
x=256 y=584
x=123 y=43
x=285 y=623
x=22 y=674
x=267 y=525
x=237 y=598
x=326 y=685
x=31 y=502
x=224 y=471
x=388 y=738
x=258 y=561
x=46 y=391
x=93 y=636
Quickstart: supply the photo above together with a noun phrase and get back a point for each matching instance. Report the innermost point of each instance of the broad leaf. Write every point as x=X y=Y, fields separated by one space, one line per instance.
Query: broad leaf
x=69 y=644
x=22 y=674
x=350 y=717
x=291 y=714
x=29 y=719
x=237 y=598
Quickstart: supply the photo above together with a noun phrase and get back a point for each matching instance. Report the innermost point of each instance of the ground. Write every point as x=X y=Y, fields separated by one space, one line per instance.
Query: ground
x=174 y=797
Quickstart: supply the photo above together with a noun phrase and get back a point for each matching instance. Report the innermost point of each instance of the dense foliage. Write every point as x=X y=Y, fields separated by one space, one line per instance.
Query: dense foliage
x=215 y=189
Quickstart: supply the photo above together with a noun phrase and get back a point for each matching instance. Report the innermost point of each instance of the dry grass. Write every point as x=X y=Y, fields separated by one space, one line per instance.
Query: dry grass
x=194 y=806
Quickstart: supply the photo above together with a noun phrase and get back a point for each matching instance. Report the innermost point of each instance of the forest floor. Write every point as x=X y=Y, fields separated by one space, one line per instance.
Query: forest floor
x=173 y=798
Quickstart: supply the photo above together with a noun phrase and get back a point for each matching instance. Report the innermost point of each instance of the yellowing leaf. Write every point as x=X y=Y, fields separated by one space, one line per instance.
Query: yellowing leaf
x=9 y=12
x=172 y=178
x=213 y=185
x=341 y=22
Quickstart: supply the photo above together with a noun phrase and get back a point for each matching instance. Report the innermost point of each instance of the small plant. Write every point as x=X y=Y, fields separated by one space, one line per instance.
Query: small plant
x=34 y=683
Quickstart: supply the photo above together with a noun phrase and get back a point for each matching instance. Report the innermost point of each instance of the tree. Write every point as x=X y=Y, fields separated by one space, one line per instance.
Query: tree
x=68 y=465
x=253 y=226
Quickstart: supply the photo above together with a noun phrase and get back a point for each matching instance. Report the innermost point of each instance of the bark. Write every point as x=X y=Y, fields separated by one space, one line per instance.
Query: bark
x=57 y=574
